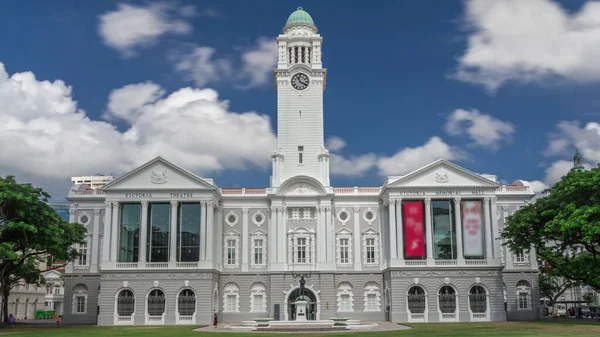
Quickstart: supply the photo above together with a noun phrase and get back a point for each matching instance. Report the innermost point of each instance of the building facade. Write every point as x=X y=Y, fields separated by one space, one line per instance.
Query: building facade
x=165 y=246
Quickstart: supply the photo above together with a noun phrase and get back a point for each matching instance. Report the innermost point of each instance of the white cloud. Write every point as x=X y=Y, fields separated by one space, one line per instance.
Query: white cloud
x=553 y=174
x=570 y=136
x=528 y=41
x=335 y=143
x=259 y=61
x=538 y=186
x=201 y=67
x=485 y=130
x=45 y=137
x=132 y=26
x=412 y=158
x=353 y=165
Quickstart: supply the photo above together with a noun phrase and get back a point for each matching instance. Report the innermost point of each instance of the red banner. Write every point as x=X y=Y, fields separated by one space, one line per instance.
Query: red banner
x=414 y=238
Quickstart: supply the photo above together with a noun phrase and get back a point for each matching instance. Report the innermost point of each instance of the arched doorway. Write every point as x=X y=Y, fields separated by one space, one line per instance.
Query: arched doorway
x=311 y=308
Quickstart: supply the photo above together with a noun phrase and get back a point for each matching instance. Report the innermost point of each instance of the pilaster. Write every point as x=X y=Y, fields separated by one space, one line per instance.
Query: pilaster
x=357 y=249
x=272 y=237
x=173 y=236
x=143 y=232
x=459 y=233
x=399 y=232
x=393 y=236
x=488 y=229
x=203 y=217
x=495 y=230
x=210 y=223
x=107 y=230
x=72 y=211
x=114 y=240
x=330 y=237
x=245 y=252
x=429 y=231
x=95 y=241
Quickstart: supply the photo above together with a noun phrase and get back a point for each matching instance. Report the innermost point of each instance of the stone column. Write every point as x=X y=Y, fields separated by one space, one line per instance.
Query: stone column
x=210 y=223
x=280 y=236
x=429 y=231
x=488 y=228
x=245 y=251
x=107 y=229
x=495 y=230
x=272 y=237
x=392 y=222
x=114 y=244
x=143 y=232
x=356 y=236
x=69 y=267
x=459 y=233
x=330 y=239
x=203 y=217
x=95 y=241
x=219 y=236
x=399 y=230
x=173 y=234
x=320 y=235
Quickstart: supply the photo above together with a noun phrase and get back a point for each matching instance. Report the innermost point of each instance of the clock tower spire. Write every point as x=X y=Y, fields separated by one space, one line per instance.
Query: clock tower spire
x=300 y=80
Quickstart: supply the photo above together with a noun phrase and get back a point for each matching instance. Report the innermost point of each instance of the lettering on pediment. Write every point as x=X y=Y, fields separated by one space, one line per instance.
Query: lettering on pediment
x=441 y=177
x=159 y=177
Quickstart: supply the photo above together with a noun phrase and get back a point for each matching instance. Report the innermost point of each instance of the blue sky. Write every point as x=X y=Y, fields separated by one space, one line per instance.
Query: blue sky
x=501 y=89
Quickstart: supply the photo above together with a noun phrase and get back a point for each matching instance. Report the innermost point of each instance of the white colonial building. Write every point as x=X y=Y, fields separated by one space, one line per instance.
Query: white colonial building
x=166 y=246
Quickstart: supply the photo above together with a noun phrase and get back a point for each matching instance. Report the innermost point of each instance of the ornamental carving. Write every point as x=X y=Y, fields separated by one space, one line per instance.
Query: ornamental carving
x=96 y=211
x=442 y=177
x=158 y=177
x=174 y=203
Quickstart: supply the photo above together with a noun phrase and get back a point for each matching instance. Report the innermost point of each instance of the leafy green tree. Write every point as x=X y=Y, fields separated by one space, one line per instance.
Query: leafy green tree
x=30 y=231
x=563 y=227
x=552 y=286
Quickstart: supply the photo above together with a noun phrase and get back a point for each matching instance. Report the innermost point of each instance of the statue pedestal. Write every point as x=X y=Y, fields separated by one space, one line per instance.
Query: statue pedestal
x=301 y=310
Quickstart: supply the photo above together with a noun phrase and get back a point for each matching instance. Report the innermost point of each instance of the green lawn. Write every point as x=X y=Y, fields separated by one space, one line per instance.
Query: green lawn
x=547 y=329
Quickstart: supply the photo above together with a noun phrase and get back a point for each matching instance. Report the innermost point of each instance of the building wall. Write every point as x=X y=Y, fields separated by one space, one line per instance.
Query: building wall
x=93 y=284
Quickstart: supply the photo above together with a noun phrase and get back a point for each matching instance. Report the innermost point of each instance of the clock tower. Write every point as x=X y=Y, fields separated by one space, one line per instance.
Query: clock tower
x=300 y=80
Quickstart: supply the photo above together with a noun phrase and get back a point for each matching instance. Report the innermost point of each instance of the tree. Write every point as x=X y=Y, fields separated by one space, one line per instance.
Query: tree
x=563 y=227
x=30 y=231
x=553 y=286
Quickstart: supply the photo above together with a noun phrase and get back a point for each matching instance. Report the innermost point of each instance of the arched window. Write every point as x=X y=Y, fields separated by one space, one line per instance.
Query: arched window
x=345 y=297
x=79 y=305
x=447 y=300
x=186 y=302
x=523 y=295
x=258 y=298
x=416 y=300
x=372 y=297
x=125 y=303
x=231 y=298
x=156 y=303
x=478 y=300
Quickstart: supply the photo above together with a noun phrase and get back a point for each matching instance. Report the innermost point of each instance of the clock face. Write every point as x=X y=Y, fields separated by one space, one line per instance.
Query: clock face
x=300 y=81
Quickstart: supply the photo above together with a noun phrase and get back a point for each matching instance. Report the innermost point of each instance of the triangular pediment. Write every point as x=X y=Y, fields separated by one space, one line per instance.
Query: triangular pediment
x=443 y=173
x=52 y=275
x=344 y=231
x=370 y=231
x=159 y=174
x=258 y=232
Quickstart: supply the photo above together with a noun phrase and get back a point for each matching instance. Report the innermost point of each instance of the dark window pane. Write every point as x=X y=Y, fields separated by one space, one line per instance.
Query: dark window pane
x=188 y=232
x=158 y=232
x=129 y=236
x=444 y=230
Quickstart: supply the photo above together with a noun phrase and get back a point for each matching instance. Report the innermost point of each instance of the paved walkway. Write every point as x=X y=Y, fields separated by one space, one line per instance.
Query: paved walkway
x=382 y=326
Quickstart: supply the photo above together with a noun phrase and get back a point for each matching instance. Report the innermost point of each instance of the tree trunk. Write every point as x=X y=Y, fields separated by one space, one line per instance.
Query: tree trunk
x=5 y=289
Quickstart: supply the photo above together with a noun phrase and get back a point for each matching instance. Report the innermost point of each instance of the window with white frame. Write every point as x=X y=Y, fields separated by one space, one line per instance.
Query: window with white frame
x=258 y=298
x=82 y=260
x=371 y=248
x=301 y=247
x=79 y=299
x=520 y=257
x=231 y=295
x=523 y=295
x=344 y=247
x=230 y=248
x=372 y=297
x=259 y=258
x=345 y=297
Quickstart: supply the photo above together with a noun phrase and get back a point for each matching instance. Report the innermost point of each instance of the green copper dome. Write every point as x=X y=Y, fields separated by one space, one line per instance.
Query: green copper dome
x=300 y=16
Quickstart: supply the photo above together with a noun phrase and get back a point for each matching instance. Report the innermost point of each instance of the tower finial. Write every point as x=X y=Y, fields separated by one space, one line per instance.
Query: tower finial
x=299 y=8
